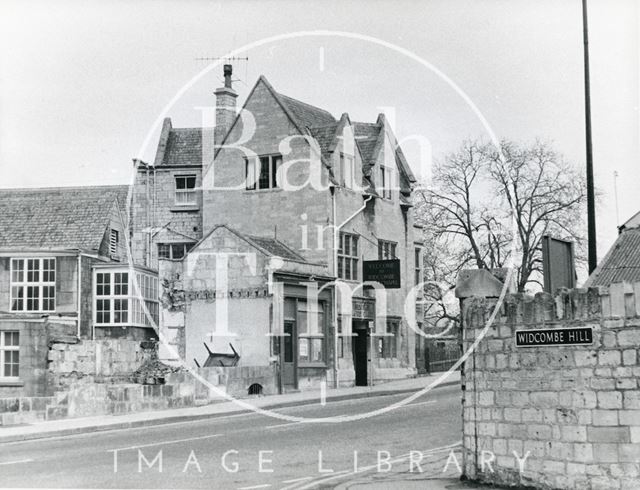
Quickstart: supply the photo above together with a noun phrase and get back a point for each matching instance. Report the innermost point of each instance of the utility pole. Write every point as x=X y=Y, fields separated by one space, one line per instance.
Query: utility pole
x=591 y=199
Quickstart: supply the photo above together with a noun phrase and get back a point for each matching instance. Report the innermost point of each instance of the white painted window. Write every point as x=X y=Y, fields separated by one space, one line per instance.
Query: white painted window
x=116 y=301
x=186 y=190
x=33 y=284
x=9 y=355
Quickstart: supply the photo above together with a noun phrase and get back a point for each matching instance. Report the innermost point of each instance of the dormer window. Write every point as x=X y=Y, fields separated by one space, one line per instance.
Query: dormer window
x=186 y=190
x=347 y=170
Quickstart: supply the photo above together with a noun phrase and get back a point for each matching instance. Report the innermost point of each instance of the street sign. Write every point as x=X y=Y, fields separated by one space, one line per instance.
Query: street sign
x=386 y=272
x=554 y=336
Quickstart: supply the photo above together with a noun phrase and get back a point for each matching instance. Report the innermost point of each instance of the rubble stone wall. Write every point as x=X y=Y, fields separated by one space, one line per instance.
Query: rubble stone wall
x=96 y=361
x=573 y=411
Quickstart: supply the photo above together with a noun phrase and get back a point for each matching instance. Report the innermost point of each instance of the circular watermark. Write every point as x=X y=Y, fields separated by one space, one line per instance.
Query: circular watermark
x=244 y=403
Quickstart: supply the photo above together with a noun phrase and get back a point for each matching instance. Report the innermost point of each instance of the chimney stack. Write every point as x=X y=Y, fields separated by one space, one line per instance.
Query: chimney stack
x=225 y=106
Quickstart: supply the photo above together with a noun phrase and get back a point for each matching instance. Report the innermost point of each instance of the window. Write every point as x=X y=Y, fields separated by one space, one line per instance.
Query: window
x=386 y=182
x=418 y=265
x=348 y=257
x=347 y=170
x=117 y=301
x=113 y=242
x=173 y=251
x=388 y=345
x=386 y=250
x=340 y=339
x=263 y=177
x=9 y=355
x=185 y=190
x=310 y=331
x=33 y=284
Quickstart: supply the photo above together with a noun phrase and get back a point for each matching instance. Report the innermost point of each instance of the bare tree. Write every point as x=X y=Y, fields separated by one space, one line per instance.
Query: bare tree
x=490 y=206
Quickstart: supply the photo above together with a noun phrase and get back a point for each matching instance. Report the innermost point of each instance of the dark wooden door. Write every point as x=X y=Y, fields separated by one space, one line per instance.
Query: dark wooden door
x=360 y=361
x=289 y=355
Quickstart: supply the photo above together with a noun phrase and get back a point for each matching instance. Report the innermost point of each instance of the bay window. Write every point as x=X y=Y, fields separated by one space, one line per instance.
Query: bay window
x=117 y=302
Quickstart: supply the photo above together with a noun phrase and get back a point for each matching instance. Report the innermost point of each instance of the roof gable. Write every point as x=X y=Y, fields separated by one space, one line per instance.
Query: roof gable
x=270 y=247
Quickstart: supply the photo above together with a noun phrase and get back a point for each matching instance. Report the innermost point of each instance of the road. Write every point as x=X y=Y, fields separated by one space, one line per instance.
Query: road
x=249 y=451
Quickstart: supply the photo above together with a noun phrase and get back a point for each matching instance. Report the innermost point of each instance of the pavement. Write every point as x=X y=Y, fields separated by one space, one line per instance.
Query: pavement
x=58 y=428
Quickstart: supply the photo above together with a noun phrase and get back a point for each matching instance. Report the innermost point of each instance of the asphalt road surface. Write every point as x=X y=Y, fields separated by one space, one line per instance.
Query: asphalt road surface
x=250 y=451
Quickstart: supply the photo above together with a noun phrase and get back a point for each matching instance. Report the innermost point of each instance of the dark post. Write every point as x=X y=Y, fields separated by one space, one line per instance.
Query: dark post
x=591 y=199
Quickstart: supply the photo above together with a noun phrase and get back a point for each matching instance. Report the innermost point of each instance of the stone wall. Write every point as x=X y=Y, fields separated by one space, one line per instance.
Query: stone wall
x=573 y=411
x=35 y=335
x=101 y=361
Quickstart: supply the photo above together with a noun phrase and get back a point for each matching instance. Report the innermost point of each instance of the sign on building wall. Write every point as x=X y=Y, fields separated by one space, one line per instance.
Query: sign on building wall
x=386 y=272
x=554 y=336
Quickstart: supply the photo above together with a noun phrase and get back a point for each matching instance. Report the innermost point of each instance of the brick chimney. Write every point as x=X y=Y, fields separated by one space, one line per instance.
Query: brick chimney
x=225 y=106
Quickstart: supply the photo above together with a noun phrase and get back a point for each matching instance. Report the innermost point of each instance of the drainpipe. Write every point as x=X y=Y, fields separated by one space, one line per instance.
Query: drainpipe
x=79 y=293
x=336 y=242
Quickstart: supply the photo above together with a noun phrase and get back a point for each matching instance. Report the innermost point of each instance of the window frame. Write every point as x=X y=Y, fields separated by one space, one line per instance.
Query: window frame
x=348 y=258
x=347 y=178
x=386 y=182
x=274 y=162
x=126 y=301
x=190 y=192
x=27 y=286
x=387 y=250
x=308 y=337
x=186 y=246
x=417 y=266
x=4 y=348
x=388 y=343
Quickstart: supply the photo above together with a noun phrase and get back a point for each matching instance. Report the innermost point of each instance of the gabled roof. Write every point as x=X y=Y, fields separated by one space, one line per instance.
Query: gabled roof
x=271 y=247
x=57 y=218
x=184 y=147
x=324 y=135
x=307 y=114
x=622 y=262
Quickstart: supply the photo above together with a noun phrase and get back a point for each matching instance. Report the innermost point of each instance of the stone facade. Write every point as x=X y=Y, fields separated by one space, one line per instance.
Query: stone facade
x=573 y=411
x=302 y=217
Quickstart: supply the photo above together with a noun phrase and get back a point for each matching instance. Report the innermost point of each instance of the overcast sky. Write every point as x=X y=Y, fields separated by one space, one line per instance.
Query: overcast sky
x=82 y=83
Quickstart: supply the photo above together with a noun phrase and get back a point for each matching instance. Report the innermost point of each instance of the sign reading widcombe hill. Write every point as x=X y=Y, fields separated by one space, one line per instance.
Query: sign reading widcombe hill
x=386 y=272
x=556 y=336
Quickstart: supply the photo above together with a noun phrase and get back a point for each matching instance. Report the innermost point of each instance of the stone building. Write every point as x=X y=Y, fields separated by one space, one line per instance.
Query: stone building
x=281 y=198
x=64 y=277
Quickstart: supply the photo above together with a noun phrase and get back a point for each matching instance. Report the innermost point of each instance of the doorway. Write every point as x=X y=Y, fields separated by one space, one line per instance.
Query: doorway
x=360 y=350
x=289 y=358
